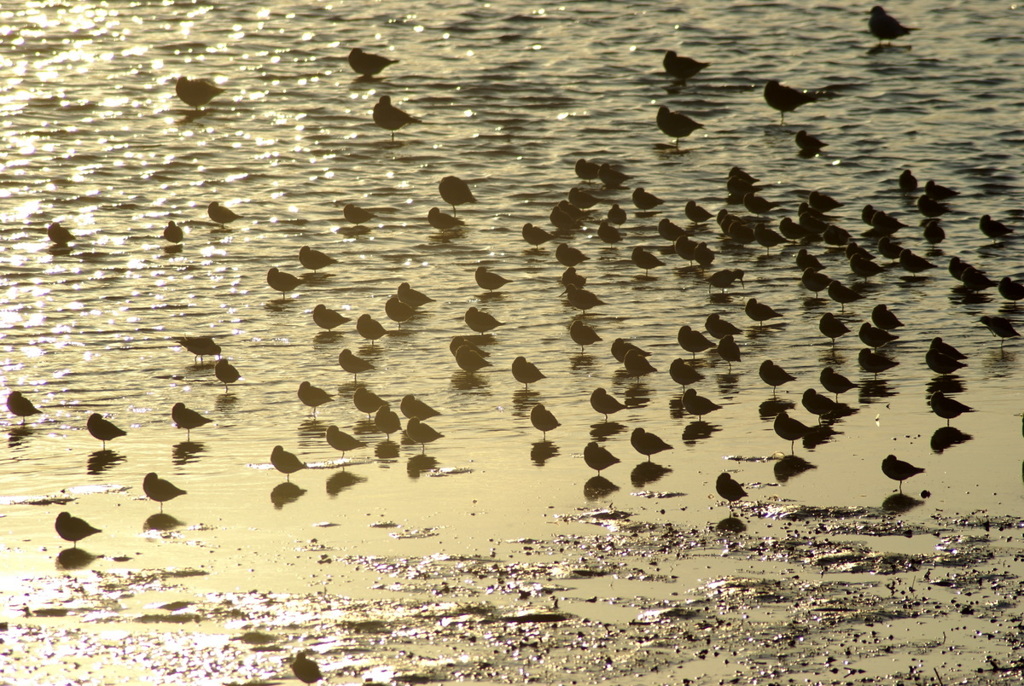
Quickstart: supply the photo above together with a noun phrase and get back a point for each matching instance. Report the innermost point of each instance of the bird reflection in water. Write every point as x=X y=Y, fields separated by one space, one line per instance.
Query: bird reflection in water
x=874 y=389
x=418 y=464
x=161 y=522
x=74 y=558
x=225 y=402
x=598 y=487
x=604 y=430
x=522 y=402
x=698 y=431
x=186 y=451
x=285 y=493
x=948 y=385
x=898 y=503
x=340 y=481
x=581 y=361
x=646 y=473
x=542 y=451
x=791 y=466
x=386 y=450
x=102 y=460
x=467 y=381
x=17 y=434
x=773 y=407
x=731 y=525
x=946 y=437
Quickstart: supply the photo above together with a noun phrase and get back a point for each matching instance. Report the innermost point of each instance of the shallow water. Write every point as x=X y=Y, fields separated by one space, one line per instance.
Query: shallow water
x=510 y=96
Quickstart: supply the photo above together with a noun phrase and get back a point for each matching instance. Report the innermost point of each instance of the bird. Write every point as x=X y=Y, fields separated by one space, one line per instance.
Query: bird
x=285 y=462
x=941 y=346
x=885 y=27
x=488 y=280
x=72 y=528
x=411 y=296
x=543 y=420
x=645 y=201
x=992 y=228
x=864 y=266
x=930 y=207
x=605 y=403
x=173 y=233
x=526 y=372
x=883 y=318
x=366 y=401
x=693 y=341
x=367 y=64
x=610 y=176
x=20 y=406
x=469 y=359
x=387 y=116
x=598 y=457
x=1001 y=328
x=608 y=233
x=199 y=346
x=313 y=396
x=420 y=432
x=647 y=443
x=414 y=408
x=102 y=429
x=283 y=282
x=220 y=214
x=907 y=181
x=313 y=259
x=675 y=124
x=582 y=335
x=809 y=144
x=874 y=337
x=442 y=221
x=397 y=311
x=616 y=215
x=645 y=259
x=1010 y=289
x=683 y=372
x=569 y=256
x=873 y=363
x=946 y=407
x=353 y=364
x=188 y=419
x=455 y=191
x=58 y=234
x=814 y=280
x=755 y=204
x=480 y=321
x=720 y=328
x=328 y=319
x=534 y=235
x=196 y=92
x=774 y=375
x=724 y=278
x=341 y=441
x=160 y=490
x=789 y=429
x=369 y=328
x=354 y=214
x=637 y=364
x=759 y=312
x=817 y=404
x=830 y=327
x=305 y=670
x=898 y=470
x=680 y=67
x=729 y=350
x=226 y=373
x=834 y=382
x=914 y=264
x=842 y=294
x=586 y=170
x=729 y=488
x=387 y=421
x=785 y=99
x=695 y=213
x=698 y=404
x=941 y=363
x=581 y=298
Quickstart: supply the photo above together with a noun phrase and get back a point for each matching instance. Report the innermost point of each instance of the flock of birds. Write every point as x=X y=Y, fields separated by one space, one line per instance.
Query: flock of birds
x=812 y=225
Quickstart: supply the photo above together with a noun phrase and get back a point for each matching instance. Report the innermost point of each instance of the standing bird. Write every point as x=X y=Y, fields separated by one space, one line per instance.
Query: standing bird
x=102 y=429
x=306 y=670
x=647 y=443
x=759 y=312
x=225 y=373
x=422 y=433
x=789 y=429
x=397 y=311
x=873 y=363
x=698 y=404
x=605 y=403
x=885 y=27
x=341 y=441
x=328 y=319
x=285 y=462
x=785 y=99
x=72 y=528
x=1001 y=328
x=947 y=408
x=729 y=488
x=582 y=335
x=313 y=259
x=831 y=327
x=834 y=382
x=681 y=68
x=199 y=346
x=188 y=419
x=774 y=375
x=480 y=321
x=442 y=221
x=20 y=406
x=543 y=420
x=367 y=64
x=414 y=408
x=526 y=372
x=455 y=191
x=196 y=92
x=313 y=396
x=644 y=200
x=488 y=280
x=220 y=214
x=598 y=457
x=411 y=296
x=369 y=328
x=173 y=233
x=676 y=124
x=354 y=214
x=282 y=282
x=160 y=490
x=898 y=470
x=693 y=341
x=387 y=116
x=535 y=235
x=645 y=259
